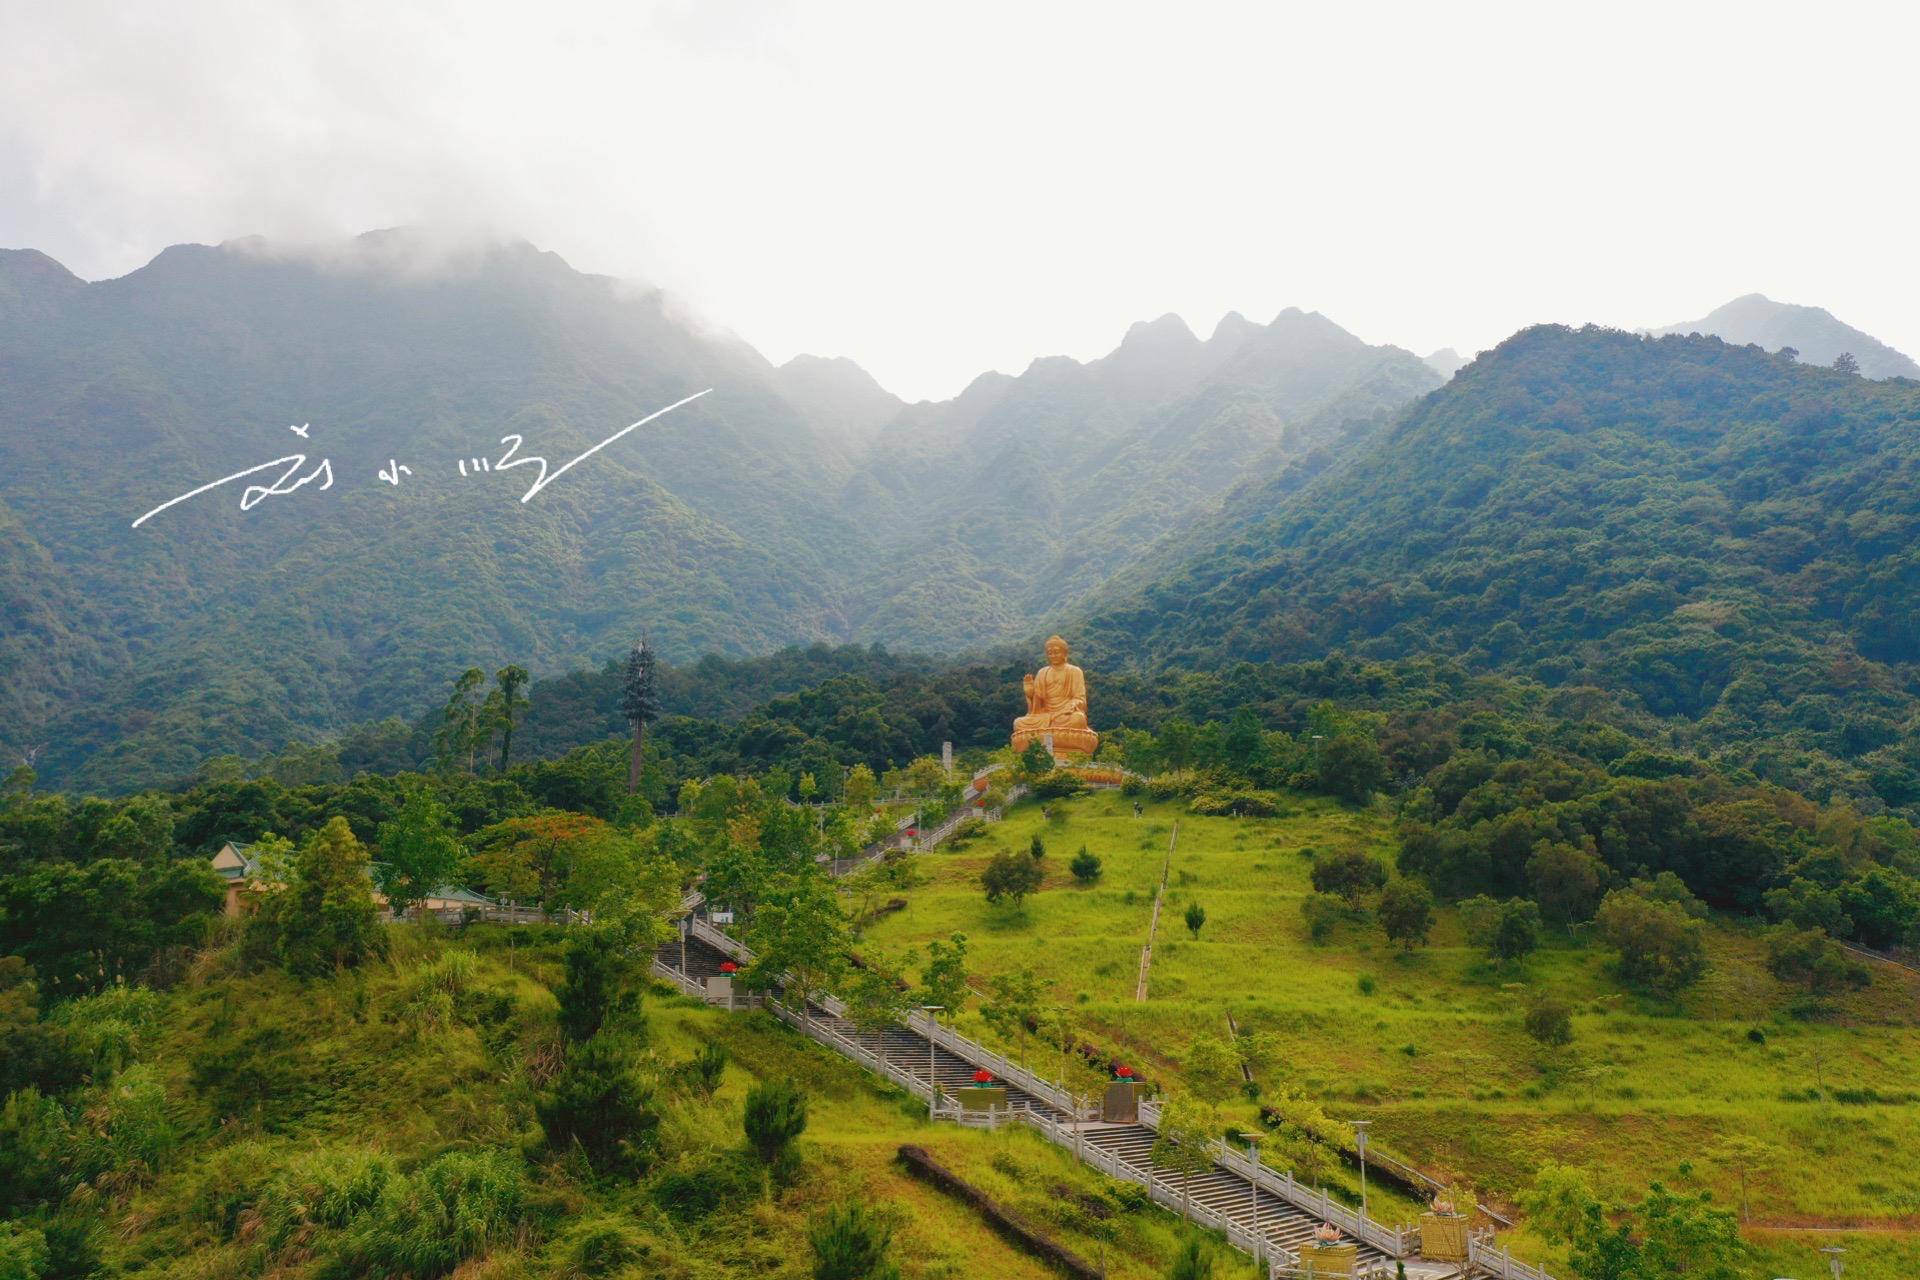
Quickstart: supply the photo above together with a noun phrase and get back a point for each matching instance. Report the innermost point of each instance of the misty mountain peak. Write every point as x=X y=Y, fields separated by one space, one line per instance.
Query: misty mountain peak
x=1168 y=331
x=1232 y=329
x=1814 y=332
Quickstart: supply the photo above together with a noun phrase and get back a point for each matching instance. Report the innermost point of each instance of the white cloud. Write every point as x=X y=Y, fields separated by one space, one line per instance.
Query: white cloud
x=935 y=191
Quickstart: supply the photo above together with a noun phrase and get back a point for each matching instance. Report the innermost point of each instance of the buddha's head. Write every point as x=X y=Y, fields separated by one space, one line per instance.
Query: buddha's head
x=1056 y=652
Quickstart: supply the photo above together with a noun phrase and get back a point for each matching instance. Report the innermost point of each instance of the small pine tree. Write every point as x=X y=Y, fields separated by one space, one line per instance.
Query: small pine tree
x=1196 y=917
x=1037 y=847
x=1085 y=866
x=775 y=1115
x=597 y=1105
x=592 y=992
x=704 y=1070
x=850 y=1242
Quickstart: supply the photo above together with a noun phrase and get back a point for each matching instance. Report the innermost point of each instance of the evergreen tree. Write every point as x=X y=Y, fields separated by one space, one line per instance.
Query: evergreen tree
x=1196 y=917
x=598 y=1105
x=640 y=704
x=324 y=918
x=850 y=1242
x=593 y=992
x=775 y=1115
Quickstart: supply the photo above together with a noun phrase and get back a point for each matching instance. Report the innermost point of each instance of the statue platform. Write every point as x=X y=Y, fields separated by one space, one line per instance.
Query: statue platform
x=1066 y=742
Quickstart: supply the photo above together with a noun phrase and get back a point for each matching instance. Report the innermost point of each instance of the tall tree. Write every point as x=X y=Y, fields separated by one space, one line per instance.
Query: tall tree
x=461 y=722
x=508 y=683
x=640 y=704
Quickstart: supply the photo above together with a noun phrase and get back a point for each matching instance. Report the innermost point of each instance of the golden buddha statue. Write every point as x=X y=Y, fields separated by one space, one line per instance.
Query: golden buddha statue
x=1056 y=706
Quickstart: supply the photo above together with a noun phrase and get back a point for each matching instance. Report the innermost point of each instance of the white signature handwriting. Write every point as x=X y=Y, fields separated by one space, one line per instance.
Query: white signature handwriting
x=289 y=480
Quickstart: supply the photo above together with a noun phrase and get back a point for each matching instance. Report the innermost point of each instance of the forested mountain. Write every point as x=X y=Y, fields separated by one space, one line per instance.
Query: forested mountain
x=1814 y=332
x=1721 y=536
x=789 y=505
x=1025 y=494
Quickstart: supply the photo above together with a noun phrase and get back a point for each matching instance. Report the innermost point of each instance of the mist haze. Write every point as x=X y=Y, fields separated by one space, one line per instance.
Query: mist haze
x=937 y=197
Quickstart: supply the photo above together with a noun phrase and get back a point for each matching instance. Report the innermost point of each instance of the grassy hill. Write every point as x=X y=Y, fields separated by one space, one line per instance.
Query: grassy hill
x=382 y=1123
x=1429 y=1043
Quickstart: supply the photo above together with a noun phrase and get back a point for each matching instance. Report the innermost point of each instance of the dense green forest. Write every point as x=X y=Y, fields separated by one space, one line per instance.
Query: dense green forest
x=1710 y=535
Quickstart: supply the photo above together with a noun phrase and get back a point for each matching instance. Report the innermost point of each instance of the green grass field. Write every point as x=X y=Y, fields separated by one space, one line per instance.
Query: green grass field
x=1436 y=1054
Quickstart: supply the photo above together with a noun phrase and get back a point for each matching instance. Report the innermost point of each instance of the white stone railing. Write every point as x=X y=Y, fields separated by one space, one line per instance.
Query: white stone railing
x=1395 y=1242
x=1163 y=1191
x=1499 y=1263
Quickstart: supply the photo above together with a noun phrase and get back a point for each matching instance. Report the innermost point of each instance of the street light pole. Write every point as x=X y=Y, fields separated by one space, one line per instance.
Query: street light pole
x=1833 y=1252
x=933 y=1081
x=1253 y=1185
x=1360 y=1141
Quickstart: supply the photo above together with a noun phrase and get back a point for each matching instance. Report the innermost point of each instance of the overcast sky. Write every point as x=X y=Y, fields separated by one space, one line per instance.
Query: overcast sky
x=939 y=190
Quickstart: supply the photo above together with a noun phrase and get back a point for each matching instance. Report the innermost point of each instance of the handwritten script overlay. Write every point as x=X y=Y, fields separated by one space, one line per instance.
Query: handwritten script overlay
x=293 y=472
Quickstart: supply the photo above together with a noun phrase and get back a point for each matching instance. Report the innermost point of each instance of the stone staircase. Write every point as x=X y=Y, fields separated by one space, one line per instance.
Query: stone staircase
x=1222 y=1197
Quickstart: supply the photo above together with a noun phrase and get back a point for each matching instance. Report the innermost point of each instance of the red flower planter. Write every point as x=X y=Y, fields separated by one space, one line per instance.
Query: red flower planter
x=728 y=966
x=983 y=1077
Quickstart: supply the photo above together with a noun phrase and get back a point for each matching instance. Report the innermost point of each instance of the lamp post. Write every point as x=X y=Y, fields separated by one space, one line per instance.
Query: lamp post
x=933 y=1081
x=1253 y=1186
x=1360 y=1142
x=1833 y=1252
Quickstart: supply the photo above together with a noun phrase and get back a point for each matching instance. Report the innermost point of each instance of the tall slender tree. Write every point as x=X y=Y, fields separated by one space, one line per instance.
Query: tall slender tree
x=508 y=683
x=461 y=730
x=640 y=703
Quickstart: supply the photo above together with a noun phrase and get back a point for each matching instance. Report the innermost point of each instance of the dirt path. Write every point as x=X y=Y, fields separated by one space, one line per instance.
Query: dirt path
x=1153 y=925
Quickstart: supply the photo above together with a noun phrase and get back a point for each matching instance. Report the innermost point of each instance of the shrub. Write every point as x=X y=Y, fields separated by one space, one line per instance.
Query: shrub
x=1367 y=984
x=1348 y=875
x=1036 y=847
x=1235 y=801
x=692 y=1193
x=1811 y=959
x=1322 y=911
x=1659 y=944
x=597 y=1105
x=775 y=1115
x=1550 y=1022
x=329 y=1188
x=1172 y=786
x=1009 y=875
x=425 y=1225
x=23 y=1252
x=1507 y=930
x=1196 y=917
x=1085 y=866
x=850 y=1242
x=1057 y=784
x=966 y=831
